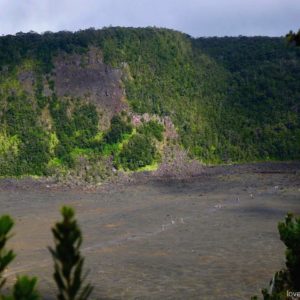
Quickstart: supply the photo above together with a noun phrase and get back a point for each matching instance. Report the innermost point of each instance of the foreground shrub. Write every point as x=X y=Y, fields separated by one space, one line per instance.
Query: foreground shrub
x=24 y=288
x=68 y=262
x=6 y=256
x=287 y=281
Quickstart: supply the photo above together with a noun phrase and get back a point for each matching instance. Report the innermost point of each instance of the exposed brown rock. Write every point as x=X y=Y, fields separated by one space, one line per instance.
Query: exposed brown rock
x=27 y=80
x=86 y=76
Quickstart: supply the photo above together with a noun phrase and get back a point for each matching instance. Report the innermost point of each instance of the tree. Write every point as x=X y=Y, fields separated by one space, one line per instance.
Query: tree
x=287 y=279
x=67 y=257
x=25 y=287
x=117 y=130
x=294 y=37
x=139 y=152
x=290 y=235
x=6 y=256
x=68 y=262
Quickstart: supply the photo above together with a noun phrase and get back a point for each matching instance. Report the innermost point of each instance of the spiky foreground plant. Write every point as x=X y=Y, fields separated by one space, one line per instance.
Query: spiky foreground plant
x=68 y=262
x=290 y=235
x=24 y=288
x=287 y=281
x=6 y=256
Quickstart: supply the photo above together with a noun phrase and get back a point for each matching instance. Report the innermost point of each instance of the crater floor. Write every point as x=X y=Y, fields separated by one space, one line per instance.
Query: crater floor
x=210 y=237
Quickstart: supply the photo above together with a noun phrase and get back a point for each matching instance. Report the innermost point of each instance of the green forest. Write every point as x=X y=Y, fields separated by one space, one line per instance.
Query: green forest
x=231 y=99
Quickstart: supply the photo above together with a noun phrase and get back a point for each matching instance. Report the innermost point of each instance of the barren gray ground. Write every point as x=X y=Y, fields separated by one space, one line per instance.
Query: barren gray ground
x=211 y=237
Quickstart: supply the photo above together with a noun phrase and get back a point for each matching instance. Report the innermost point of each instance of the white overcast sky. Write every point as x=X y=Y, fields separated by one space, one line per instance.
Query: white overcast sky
x=195 y=17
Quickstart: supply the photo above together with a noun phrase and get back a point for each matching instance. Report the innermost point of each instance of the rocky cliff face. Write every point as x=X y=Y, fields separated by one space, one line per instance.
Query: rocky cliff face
x=86 y=76
x=81 y=76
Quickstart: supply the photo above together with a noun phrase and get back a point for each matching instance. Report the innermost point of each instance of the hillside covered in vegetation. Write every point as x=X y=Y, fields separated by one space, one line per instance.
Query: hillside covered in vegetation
x=98 y=100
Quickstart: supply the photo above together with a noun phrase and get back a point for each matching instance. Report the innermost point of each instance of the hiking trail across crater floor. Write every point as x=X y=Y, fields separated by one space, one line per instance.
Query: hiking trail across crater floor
x=210 y=237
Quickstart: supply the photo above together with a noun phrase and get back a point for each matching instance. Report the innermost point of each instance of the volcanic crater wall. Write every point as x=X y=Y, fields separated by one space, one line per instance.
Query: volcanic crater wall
x=86 y=76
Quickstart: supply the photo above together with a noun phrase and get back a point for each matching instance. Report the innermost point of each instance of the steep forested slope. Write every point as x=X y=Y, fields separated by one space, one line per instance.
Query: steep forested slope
x=264 y=93
x=230 y=99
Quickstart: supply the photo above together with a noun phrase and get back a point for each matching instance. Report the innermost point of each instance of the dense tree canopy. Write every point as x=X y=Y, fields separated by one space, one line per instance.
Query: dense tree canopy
x=231 y=99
